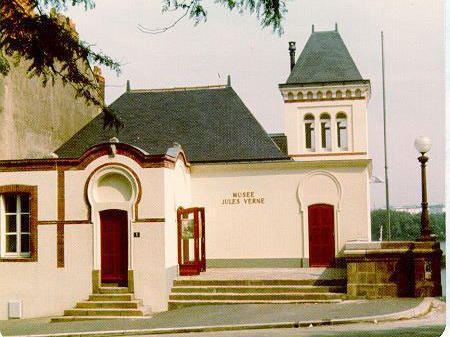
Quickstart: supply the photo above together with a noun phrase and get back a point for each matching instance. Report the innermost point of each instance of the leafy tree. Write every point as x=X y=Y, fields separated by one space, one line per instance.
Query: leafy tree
x=33 y=30
x=405 y=226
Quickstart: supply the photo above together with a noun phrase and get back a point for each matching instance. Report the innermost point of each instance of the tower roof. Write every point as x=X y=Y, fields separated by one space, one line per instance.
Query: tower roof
x=324 y=58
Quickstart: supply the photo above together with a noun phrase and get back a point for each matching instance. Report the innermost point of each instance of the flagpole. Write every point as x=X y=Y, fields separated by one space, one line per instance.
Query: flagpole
x=388 y=225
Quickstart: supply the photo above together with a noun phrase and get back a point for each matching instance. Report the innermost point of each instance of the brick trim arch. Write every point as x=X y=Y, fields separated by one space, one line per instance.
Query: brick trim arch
x=32 y=191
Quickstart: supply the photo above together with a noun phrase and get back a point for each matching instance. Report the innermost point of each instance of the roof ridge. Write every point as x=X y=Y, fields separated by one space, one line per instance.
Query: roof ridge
x=218 y=86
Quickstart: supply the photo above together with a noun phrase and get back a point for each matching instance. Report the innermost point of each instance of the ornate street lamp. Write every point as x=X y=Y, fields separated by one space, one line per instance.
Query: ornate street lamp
x=423 y=145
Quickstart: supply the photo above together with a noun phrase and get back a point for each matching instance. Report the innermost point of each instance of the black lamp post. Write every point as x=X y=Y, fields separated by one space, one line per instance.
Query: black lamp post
x=423 y=145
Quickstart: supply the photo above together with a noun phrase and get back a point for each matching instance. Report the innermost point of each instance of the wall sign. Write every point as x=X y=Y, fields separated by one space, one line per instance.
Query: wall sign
x=243 y=198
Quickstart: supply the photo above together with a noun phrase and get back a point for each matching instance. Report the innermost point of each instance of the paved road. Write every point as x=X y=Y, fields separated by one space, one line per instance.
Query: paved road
x=431 y=325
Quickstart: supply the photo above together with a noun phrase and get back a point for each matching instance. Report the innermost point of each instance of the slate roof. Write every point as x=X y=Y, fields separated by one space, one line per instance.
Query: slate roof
x=324 y=58
x=211 y=124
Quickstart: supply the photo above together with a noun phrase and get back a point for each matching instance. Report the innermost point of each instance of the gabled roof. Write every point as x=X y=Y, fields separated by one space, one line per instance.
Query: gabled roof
x=324 y=58
x=210 y=123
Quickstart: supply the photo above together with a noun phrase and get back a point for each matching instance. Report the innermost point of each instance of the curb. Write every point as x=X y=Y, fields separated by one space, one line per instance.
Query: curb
x=423 y=308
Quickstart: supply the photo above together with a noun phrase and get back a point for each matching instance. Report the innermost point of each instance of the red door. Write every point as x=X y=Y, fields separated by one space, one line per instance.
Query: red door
x=114 y=246
x=321 y=235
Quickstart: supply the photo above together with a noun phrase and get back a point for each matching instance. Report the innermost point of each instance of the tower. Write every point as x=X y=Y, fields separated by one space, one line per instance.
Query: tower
x=325 y=101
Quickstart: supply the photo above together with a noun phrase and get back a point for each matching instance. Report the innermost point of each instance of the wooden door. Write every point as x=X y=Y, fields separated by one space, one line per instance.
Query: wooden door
x=191 y=240
x=321 y=235
x=114 y=246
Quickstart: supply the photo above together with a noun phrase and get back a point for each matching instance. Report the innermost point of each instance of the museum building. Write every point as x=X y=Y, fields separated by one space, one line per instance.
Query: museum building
x=192 y=181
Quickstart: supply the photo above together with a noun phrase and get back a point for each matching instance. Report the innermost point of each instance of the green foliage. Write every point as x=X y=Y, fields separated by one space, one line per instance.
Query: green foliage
x=405 y=226
x=270 y=13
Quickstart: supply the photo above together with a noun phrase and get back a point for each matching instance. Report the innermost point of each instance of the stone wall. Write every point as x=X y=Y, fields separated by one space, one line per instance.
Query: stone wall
x=393 y=269
x=36 y=120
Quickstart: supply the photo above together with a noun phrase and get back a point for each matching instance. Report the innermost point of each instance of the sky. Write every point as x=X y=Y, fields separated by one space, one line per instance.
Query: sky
x=258 y=60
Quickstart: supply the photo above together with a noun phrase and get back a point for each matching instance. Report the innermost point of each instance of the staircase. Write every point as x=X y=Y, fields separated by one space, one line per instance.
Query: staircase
x=111 y=302
x=189 y=292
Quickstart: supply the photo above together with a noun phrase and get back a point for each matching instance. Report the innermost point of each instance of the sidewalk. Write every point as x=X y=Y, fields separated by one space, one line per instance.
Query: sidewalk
x=230 y=317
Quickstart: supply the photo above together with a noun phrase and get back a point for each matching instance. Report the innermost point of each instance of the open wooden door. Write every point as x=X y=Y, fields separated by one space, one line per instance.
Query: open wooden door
x=191 y=240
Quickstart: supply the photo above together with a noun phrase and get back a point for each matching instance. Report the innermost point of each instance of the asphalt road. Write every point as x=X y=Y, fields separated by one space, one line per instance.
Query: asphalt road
x=431 y=325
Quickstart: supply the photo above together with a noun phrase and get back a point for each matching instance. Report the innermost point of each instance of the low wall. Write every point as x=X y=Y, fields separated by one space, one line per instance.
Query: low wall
x=393 y=269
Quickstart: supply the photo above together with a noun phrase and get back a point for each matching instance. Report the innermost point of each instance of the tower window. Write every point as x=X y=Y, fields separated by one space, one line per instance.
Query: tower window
x=342 y=134
x=358 y=93
x=290 y=95
x=319 y=95
x=309 y=132
x=348 y=93
x=299 y=95
x=309 y=95
x=325 y=131
x=329 y=94
x=338 y=94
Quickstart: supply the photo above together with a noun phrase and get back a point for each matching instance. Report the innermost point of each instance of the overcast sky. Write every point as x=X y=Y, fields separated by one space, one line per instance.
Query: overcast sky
x=258 y=60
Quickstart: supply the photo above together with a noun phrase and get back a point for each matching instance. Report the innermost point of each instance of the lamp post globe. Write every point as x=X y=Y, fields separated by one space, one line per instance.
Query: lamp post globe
x=423 y=145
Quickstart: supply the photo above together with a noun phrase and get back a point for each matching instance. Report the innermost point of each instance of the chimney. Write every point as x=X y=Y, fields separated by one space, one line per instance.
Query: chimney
x=292 y=53
x=228 y=81
x=101 y=83
x=335 y=27
x=128 y=86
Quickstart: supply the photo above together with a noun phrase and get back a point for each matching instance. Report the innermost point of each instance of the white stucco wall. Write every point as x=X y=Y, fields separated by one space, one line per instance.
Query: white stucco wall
x=44 y=289
x=47 y=190
x=277 y=228
x=177 y=189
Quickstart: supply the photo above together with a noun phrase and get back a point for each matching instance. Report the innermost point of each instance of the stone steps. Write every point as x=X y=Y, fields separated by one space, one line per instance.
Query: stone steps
x=188 y=303
x=134 y=304
x=273 y=282
x=256 y=296
x=105 y=312
x=111 y=297
x=111 y=302
x=259 y=289
x=188 y=292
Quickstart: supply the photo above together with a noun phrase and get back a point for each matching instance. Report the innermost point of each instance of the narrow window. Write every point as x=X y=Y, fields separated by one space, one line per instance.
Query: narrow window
x=348 y=93
x=325 y=131
x=329 y=94
x=309 y=95
x=15 y=219
x=309 y=132
x=342 y=135
x=319 y=95
x=299 y=95
x=338 y=94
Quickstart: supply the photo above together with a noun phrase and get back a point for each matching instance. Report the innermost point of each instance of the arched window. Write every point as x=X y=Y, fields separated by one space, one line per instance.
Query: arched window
x=338 y=94
x=325 y=122
x=348 y=93
x=358 y=93
x=319 y=95
x=342 y=134
x=290 y=95
x=299 y=95
x=309 y=132
x=309 y=95
x=329 y=94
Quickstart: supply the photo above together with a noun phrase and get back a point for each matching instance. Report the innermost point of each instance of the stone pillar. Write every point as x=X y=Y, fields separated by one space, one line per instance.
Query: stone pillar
x=427 y=269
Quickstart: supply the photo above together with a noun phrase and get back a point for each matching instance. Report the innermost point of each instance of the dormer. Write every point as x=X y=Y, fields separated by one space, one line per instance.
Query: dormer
x=325 y=101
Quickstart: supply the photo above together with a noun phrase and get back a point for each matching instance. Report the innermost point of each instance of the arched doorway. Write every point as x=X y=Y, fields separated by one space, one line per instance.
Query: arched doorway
x=112 y=192
x=114 y=246
x=321 y=235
